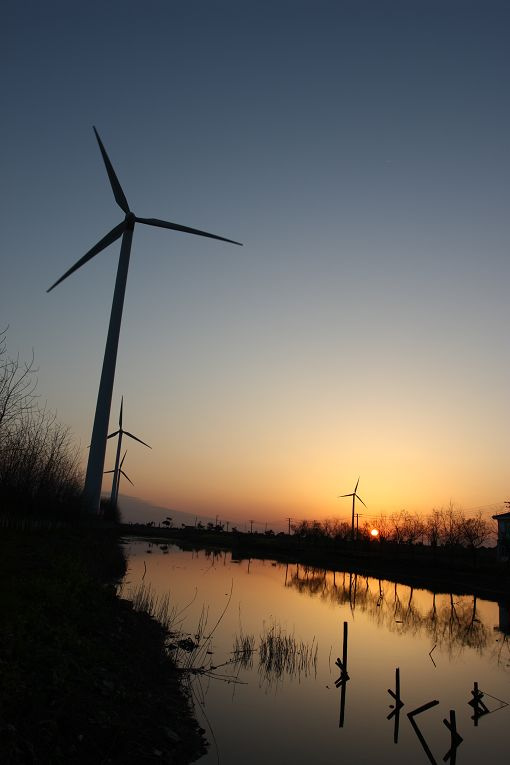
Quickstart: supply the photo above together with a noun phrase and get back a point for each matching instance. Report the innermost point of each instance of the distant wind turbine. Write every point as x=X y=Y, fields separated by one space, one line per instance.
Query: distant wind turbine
x=116 y=477
x=354 y=496
x=95 y=465
x=120 y=433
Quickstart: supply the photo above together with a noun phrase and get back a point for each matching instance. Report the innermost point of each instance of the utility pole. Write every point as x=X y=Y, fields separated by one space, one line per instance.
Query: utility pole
x=251 y=526
x=289 y=520
x=228 y=523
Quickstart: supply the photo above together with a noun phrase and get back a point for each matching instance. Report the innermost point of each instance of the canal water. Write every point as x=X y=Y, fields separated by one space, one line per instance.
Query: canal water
x=294 y=665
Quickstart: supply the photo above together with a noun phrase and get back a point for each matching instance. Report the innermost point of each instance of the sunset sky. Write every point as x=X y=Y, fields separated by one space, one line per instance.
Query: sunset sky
x=360 y=151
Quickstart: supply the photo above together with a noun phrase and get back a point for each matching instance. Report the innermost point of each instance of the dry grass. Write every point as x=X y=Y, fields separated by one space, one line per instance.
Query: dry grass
x=279 y=652
x=144 y=599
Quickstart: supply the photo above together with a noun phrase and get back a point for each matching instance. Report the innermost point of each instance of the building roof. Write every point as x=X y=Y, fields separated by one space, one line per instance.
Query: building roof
x=502 y=517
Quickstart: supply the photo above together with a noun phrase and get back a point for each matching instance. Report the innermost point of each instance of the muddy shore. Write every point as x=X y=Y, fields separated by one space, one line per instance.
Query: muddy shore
x=85 y=678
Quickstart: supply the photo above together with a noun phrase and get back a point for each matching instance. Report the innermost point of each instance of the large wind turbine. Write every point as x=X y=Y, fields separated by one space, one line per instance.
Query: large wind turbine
x=120 y=432
x=116 y=477
x=354 y=496
x=95 y=465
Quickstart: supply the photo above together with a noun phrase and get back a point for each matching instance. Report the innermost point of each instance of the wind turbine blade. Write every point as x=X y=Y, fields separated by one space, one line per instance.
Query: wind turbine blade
x=360 y=499
x=112 y=435
x=104 y=242
x=185 y=229
x=126 y=433
x=122 y=460
x=344 y=495
x=109 y=471
x=356 y=487
x=126 y=476
x=114 y=181
x=120 y=415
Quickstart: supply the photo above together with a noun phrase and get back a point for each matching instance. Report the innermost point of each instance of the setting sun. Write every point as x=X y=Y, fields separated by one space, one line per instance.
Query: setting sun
x=374 y=533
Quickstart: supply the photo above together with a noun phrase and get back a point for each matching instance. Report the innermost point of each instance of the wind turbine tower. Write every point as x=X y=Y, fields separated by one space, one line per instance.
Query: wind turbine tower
x=354 y=496
x=116 y=474
x=116 y=477
x=95 y=465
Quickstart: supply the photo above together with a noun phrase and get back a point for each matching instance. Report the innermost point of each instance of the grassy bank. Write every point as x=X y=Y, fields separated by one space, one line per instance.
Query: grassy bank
x=85 y=678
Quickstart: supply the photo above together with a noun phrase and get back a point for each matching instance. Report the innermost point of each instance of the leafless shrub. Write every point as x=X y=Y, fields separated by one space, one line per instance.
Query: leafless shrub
x=18 y=383
x=39 y=470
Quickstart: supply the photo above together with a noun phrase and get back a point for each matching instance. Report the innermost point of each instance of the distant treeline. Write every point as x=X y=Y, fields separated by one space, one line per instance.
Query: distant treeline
x=447 y=527
x=39 y=472
x=446 y=539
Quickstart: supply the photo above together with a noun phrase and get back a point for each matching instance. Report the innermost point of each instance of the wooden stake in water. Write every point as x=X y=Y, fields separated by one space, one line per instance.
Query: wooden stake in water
x=478 y=705
x=398 y=705
x=344 y=677
x=455 y=738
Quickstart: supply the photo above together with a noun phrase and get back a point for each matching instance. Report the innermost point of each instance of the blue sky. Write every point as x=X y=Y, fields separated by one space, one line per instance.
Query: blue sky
x=359 y=150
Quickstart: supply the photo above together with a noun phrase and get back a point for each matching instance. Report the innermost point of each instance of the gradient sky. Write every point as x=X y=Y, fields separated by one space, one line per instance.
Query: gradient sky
x=360 y=152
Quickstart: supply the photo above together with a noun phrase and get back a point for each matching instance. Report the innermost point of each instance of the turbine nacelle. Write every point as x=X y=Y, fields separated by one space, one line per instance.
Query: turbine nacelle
x=353 y=494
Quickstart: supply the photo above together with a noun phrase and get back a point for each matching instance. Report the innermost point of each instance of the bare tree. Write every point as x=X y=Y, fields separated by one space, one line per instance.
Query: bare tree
x=397 y=525
x=474 y=533
x=414 y=528
x=18 y=383
x=432 y=528
x=38 y=464
x=451 y=520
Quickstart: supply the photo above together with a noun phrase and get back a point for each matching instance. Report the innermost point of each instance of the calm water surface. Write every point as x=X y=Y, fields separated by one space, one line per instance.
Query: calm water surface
x=286 y=706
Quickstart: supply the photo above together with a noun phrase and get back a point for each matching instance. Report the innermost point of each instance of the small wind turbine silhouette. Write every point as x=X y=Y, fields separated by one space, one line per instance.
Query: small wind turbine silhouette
x=95 y=465
x=120 y=433
x=354 y=496
x=116 y=478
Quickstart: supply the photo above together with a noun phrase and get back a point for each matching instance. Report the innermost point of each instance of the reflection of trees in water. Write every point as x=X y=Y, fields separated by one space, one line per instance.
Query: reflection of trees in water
x=450 y=622
x=502 y=651
x=455 y=625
